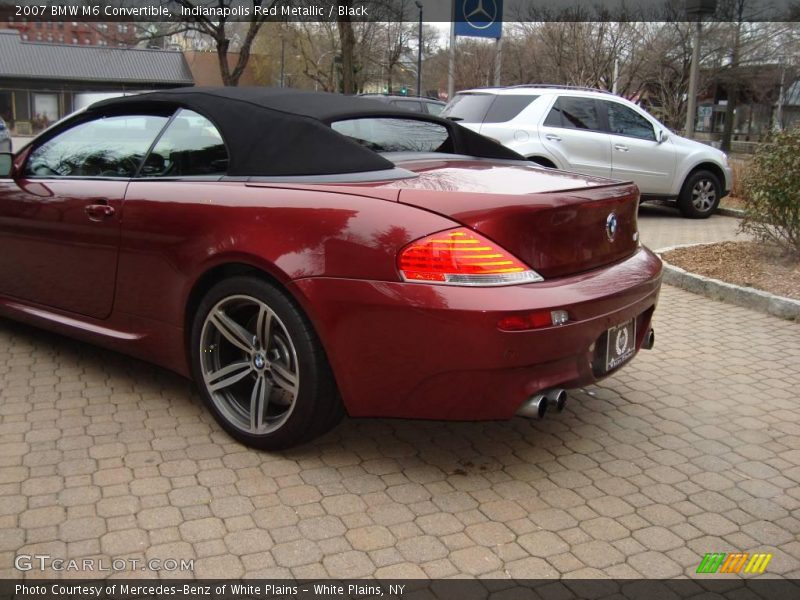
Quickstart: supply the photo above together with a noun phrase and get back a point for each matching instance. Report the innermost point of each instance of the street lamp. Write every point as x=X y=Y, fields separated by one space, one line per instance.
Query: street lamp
x=419 y=51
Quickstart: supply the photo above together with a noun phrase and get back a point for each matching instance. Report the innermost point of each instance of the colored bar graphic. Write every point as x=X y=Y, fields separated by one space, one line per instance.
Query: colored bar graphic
x=722 y=562
x=711 y=562
x=758 y=564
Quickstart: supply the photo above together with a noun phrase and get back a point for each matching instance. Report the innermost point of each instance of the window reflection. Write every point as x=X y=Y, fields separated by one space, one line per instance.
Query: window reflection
x=105 y=147
x=395 y=135
x=191 y=145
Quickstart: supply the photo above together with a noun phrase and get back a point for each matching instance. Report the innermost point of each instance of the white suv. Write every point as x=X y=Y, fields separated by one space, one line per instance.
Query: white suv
x=598 y=133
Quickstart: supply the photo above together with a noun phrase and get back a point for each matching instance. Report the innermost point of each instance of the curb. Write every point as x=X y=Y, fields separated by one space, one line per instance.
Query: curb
x=778 y=306
x=730 y=212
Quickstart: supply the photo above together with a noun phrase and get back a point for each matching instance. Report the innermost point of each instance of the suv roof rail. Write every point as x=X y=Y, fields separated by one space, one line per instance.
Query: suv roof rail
x=558 y=87
x=394 y=95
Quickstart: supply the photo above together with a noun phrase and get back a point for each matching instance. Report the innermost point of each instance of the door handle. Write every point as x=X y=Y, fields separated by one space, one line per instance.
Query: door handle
x=552 y=137
x=99 y=210
x=621 y=148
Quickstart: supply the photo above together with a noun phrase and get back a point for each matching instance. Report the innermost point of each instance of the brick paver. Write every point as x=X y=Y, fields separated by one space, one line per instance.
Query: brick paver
x=663 y=226
x=693 y=448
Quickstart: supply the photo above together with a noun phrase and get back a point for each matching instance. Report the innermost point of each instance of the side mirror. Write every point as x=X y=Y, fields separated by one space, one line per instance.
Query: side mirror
x=662 y=136
x=6 y=164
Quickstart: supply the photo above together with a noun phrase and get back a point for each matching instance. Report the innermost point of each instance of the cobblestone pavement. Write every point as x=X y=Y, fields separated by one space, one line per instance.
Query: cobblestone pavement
x=662 y=226
x=693 y=448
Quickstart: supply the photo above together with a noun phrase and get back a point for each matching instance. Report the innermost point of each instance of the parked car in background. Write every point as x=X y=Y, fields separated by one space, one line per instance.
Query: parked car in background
x=426 y=106
x=300 y=254
x=598 y=133
x=5 y=137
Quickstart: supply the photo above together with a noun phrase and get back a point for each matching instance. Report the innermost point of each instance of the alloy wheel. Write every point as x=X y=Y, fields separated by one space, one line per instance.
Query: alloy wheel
x=249 y=364
x=704 y=194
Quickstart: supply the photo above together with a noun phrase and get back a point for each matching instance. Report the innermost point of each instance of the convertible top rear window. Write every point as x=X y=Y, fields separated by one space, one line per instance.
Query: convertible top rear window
x=396 y=135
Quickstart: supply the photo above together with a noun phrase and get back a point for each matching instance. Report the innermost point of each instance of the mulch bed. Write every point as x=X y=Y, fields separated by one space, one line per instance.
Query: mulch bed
x=732 y=202
x=749 y=264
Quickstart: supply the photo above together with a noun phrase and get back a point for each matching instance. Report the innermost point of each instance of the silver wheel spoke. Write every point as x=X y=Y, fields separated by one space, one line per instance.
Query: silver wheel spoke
x=233 y=332
x=258 y=403
x=249 y=364
x=284 y=378
x=226 y=376
x=263 y=327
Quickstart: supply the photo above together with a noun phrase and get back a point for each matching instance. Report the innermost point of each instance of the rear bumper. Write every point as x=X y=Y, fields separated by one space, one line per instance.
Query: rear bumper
x=427 y=351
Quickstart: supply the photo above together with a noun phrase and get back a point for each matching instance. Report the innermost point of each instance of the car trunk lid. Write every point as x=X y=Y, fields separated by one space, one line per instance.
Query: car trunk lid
x=558 y=223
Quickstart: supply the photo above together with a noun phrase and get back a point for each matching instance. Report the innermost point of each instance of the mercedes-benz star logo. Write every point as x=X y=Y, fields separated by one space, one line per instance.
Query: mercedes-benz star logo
x=483 y=15
x=612 y=225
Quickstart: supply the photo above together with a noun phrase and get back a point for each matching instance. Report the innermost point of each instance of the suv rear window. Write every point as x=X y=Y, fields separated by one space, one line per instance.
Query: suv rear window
x=487 y=108
x=470 y=108
x=505 y=108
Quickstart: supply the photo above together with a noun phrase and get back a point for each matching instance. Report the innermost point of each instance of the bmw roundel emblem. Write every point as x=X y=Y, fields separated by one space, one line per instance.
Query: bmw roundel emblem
x=612 y=224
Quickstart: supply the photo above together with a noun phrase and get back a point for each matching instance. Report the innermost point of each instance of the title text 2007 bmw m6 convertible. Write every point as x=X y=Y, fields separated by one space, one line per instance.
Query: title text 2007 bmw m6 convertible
x=301 y=254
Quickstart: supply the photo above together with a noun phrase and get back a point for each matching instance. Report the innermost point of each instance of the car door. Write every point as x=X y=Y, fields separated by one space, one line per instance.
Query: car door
x=573 y=133
x=160 y=209
x=60 y=217
x=636 y=154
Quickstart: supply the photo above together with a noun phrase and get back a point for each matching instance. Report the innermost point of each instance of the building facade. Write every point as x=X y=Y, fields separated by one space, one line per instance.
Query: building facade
x=42 y=82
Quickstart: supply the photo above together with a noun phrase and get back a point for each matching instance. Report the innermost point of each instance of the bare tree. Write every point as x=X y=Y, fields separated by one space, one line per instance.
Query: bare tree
x=227 y=35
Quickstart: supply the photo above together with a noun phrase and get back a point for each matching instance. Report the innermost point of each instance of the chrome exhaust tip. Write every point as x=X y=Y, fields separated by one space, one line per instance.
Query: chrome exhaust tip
x=557 y=398
x=534 y=407
x=649 y=340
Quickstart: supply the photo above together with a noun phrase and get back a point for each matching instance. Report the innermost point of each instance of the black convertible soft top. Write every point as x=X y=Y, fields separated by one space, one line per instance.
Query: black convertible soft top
x=282 y=131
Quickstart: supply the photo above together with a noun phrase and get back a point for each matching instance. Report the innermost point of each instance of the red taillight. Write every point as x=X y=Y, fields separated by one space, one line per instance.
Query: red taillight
x=462 y=257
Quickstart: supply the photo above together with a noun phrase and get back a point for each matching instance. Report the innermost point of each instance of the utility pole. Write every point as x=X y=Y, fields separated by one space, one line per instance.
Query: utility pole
x=283 y=57
x=498 y=60
x=451 y=63
x=691 y=99
x=419 y=51
x=695 y=10
x=781 y=96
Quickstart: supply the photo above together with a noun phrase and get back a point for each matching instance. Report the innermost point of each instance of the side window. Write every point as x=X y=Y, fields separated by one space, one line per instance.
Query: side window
x=434 y=108
x=409 y=105
x=191 y=145
x=553 y=118
x=574 y=113
x=505 y=108
x=624 y=121
x=107 y=147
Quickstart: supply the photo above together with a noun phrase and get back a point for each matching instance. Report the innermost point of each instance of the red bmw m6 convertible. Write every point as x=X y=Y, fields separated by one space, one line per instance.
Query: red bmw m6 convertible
x=301 y=254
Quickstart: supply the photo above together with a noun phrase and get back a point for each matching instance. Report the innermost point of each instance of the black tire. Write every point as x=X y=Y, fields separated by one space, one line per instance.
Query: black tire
x=700 y=195
x=289 y=377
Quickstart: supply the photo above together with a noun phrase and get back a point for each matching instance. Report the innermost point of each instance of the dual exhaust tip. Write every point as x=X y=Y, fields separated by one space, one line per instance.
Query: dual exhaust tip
x=537 y=405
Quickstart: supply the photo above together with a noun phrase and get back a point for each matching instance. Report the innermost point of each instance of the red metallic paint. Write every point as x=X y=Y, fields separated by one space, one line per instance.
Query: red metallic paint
x=397 y=349
x=415 y=350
